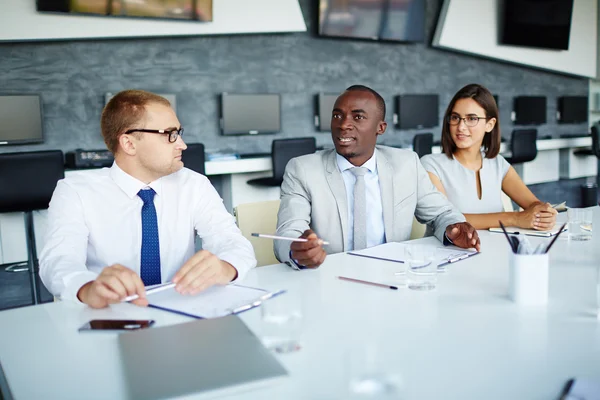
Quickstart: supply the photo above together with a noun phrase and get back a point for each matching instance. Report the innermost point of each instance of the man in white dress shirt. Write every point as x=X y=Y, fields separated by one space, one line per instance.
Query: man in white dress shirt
x=113 y=231
x=360 y=195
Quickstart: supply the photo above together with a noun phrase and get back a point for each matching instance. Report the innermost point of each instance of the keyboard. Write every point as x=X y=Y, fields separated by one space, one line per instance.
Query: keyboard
x=545 y=137
x=255 y=155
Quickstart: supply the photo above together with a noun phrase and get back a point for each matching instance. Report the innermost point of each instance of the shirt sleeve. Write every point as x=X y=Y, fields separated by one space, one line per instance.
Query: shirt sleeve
x=431 y=165
x=219 y=233
x=63 y=258
x=503 y=165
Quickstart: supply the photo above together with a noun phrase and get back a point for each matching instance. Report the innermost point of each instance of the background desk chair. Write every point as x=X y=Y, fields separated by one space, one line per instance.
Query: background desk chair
x=282 y=151
x=422 y=144
x=194 y=158
x=523 y=146
x=260 y=217
x=27 y=181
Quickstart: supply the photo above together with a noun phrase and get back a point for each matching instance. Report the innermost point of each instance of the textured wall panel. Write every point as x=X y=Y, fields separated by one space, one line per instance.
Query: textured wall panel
x=72 y=78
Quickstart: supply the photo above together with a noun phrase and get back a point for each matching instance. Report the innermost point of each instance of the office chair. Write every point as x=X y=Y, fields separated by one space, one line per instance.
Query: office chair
x=282 y=151
x=422 y=144
x=595 y=149
x=193 y=157
x=523 y=145
x=259 y=217
x=27 y=181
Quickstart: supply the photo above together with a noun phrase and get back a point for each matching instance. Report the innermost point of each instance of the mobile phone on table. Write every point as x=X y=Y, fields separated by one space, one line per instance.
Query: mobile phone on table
x=116 y=325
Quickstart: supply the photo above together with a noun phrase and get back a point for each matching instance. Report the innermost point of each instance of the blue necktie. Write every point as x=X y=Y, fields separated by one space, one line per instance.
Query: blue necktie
x=150 y=260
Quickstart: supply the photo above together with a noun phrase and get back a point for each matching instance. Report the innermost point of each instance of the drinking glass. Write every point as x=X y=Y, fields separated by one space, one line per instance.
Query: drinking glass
x=369 y=374
x=580 y=224
x=282 y=318
x=421 y=266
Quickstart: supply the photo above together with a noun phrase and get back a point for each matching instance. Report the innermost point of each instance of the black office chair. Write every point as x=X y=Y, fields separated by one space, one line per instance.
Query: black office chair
x=193 y=157
x=27 y=181
x=282 y=151
x=422 y=144
x=595 y=149
x=523 y=146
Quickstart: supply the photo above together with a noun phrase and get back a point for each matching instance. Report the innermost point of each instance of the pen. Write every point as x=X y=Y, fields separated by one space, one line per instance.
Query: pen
x=510 y=242
x=262 y=235
x=555 y=237
x=151 y=291
x=367 y=283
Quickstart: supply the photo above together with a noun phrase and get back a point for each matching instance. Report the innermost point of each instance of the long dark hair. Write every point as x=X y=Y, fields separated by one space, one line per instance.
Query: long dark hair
x=483 y=97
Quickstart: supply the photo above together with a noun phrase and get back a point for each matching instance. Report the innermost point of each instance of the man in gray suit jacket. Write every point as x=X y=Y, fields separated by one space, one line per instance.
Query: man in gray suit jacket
x=323 y=194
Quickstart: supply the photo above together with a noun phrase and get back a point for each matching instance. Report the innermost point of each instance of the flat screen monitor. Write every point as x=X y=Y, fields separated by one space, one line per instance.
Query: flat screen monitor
x=530 y=110
x=417 y=111
x=573 y=109
x=325 y=103
x=170 y=97
x=537 y=23
x=250 y=114
x=393 y=20
x=20 y=119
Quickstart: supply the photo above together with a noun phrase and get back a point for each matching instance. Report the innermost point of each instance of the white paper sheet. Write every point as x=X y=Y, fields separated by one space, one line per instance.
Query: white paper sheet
x=395 y=252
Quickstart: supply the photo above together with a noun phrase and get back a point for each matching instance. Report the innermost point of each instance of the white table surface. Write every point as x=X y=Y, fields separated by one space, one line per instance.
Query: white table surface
x=464 y=340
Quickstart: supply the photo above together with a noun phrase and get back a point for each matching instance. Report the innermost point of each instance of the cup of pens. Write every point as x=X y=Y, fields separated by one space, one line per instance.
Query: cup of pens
x=528 y=270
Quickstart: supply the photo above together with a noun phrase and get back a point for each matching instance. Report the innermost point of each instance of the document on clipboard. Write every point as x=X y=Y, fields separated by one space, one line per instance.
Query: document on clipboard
x=216 y=301
x=530 y=232
x=395 y=252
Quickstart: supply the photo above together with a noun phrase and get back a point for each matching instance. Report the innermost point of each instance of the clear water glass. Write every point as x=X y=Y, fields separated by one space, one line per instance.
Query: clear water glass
x=369 y=376
x=281 y=320
x=580 y=224
x=421 y=266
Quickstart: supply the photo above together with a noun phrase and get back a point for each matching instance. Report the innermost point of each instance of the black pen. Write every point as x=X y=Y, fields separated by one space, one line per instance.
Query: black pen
x=510 y=242
x=368 y=283
x=555 y=237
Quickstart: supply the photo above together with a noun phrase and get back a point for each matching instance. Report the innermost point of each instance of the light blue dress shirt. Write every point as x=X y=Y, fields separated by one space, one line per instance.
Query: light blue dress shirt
x=375 y=227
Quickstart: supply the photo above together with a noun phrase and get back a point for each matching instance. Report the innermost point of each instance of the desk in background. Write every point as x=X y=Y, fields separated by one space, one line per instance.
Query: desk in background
x=464 y=340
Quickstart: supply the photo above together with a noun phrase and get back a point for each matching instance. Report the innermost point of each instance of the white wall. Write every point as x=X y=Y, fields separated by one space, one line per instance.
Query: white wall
x=471 y=26
x=19 y=21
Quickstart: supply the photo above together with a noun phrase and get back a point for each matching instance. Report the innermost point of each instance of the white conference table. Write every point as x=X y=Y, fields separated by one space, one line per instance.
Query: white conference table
x=463 y=340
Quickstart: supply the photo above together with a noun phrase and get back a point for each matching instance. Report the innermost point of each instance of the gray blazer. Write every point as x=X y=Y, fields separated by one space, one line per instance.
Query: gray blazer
x=313 y=195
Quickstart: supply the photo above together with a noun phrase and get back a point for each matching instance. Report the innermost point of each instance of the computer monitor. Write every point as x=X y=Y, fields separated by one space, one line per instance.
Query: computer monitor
x=250 y=114
x=530 y=110
x=170 y=97
x=572 y=109
x=325 y=103
x=20 y=119
x=417 y=111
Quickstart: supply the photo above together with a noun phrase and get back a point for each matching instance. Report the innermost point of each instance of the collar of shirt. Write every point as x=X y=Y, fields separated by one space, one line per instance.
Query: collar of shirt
x=130 y=185
x=370 y=164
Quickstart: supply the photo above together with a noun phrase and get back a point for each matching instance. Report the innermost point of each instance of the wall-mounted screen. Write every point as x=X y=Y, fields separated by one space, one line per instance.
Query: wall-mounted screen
x=170 y=97
x=325 y=103
x=417 y=111
x=199 y=10
x=395 y=20
x=537 y=23
x=20 y=119
x=250 y=113
x=530 y=110
x=573 y=109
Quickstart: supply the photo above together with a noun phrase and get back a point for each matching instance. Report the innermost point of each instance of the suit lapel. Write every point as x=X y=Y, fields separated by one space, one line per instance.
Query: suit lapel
x=336 y=184
x=386 y=185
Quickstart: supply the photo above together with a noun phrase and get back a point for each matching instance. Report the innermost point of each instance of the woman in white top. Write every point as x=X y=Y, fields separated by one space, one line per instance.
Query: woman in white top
x=472 y=174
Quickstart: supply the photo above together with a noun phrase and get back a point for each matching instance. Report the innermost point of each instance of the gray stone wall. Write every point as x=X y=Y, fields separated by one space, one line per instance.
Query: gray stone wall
x=73 y=76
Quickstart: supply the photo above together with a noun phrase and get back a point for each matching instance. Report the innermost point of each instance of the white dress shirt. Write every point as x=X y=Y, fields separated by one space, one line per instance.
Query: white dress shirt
x=94 y=221
x=375 y=227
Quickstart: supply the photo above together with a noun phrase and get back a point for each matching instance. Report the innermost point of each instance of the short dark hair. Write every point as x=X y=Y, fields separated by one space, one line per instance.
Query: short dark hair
x=380 y=101
x=483 y=97
x=123 y=111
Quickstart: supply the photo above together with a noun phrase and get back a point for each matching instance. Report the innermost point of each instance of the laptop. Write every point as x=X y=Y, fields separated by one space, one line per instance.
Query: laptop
x=216 y=357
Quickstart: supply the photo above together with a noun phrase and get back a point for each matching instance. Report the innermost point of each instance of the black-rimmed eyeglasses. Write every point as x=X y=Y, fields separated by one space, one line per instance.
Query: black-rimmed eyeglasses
x=173 y=133
x=470 y=120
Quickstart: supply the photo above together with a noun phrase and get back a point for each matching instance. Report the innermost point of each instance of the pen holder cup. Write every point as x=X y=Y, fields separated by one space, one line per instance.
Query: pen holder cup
x=528 y=279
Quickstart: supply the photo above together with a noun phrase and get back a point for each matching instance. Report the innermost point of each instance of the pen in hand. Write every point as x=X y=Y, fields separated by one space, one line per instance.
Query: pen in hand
x=289 y=239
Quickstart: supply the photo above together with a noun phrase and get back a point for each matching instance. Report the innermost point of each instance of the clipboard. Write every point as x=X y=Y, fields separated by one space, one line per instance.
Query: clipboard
x=529 y=232
x=394 y=252
x=214 y=302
